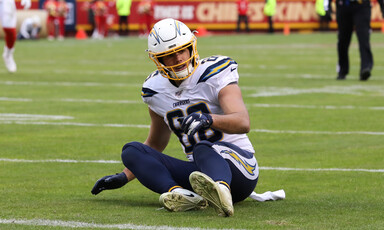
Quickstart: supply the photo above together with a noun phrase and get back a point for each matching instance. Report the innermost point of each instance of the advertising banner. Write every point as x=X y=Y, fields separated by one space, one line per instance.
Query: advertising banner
x=216 y=14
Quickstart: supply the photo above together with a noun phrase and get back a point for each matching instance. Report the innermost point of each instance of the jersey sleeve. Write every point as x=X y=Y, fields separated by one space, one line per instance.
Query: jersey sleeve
x=147 y=91
x=220 y=73
x=228 y=76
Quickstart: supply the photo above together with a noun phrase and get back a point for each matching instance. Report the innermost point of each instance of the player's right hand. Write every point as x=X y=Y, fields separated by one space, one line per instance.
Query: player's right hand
x=195 y=122
x=109 y=182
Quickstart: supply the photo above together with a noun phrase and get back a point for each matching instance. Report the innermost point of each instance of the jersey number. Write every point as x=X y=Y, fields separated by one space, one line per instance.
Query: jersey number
x=188 y=142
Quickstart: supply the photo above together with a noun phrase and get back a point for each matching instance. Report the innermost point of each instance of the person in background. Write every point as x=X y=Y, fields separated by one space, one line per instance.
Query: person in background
x=62 y=12
x=51 y=7
x=199 y=101
x=325 y=17
x=8 y=21
x=145 y=10
x=123 y=8
x=30 y=28
x=242 y=9
x=350 y=15
x=269 y=11
x=100 y=10
x=87 y=6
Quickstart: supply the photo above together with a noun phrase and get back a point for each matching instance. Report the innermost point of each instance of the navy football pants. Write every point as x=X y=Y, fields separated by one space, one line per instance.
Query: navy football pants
x=160 y=172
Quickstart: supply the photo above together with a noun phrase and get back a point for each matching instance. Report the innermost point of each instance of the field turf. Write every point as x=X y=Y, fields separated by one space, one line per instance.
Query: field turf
x=72 y=105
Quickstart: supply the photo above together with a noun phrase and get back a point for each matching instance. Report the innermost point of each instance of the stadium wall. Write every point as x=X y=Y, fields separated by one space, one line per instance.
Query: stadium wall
x=214 y=15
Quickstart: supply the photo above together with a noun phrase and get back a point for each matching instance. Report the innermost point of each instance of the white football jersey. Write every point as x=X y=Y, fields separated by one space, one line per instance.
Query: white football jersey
x=197 y=93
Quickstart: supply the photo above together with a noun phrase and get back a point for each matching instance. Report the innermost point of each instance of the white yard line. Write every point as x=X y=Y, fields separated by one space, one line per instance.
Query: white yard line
x=331 y=107
x=9 y=122
x=17 y=116
x=73 y=100
x=99 y=101
x=260 y=105
x=119 y=162
x=318 y=132
x=86 y=84
x=76 y=224
x=359 y=90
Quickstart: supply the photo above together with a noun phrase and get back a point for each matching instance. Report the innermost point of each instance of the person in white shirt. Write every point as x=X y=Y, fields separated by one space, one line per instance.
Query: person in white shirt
x=30 y=28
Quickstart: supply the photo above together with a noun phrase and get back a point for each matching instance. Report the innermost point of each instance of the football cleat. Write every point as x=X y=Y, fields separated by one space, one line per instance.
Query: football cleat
x=218 y=195
x=8 y=59
x=181 y=200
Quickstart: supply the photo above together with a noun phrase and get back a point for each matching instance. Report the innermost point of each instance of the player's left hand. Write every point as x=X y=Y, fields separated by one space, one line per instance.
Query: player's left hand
x=195 y=122
x=109 y=182
x=26 y=4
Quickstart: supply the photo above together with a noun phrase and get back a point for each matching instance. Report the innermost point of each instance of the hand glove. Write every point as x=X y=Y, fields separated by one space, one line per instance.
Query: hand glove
x=195 y=122
x=110 y=182
x=26 y=4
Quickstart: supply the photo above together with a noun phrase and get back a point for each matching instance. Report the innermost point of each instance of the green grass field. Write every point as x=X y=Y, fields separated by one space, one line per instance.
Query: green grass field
x=72 y=105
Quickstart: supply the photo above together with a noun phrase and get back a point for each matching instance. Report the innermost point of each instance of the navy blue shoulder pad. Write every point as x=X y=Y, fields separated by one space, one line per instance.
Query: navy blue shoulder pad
x=147 y=92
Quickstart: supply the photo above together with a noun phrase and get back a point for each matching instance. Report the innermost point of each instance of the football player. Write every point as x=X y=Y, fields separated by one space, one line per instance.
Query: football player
x=201 y=103
x=8 y=21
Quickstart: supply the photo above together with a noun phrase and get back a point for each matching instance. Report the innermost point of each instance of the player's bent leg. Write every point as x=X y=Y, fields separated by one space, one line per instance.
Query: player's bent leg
x=180 y=200
x=155 y=170
x=217 y=193
x=145 y=163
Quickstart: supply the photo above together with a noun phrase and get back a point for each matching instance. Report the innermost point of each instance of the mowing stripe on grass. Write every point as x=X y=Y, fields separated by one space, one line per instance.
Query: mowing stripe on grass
x=76 y=224
x=12 y=122
x=119 y=162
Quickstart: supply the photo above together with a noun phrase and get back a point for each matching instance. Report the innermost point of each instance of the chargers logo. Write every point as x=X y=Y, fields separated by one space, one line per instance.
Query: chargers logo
x=177 y=26
x=249 y=168
x=154 y=34
x=157 y=37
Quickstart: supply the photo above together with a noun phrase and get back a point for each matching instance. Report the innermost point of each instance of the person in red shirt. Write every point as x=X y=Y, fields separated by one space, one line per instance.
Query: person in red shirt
x=242 y=8
x=51 y=7
x=100 y=11
x=145 y=10
x=62 y=12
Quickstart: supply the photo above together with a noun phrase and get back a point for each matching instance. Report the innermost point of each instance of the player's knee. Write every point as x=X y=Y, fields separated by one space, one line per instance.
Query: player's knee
x=130 y=151
x=134 y=144
x=202 y=147
x=203 y=144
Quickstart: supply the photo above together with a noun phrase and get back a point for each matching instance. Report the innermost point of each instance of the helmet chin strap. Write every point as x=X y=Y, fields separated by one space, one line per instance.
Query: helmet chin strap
x=183 y=73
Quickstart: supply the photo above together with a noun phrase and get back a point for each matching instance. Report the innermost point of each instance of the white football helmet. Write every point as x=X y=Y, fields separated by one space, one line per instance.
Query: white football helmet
x=169 y=36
